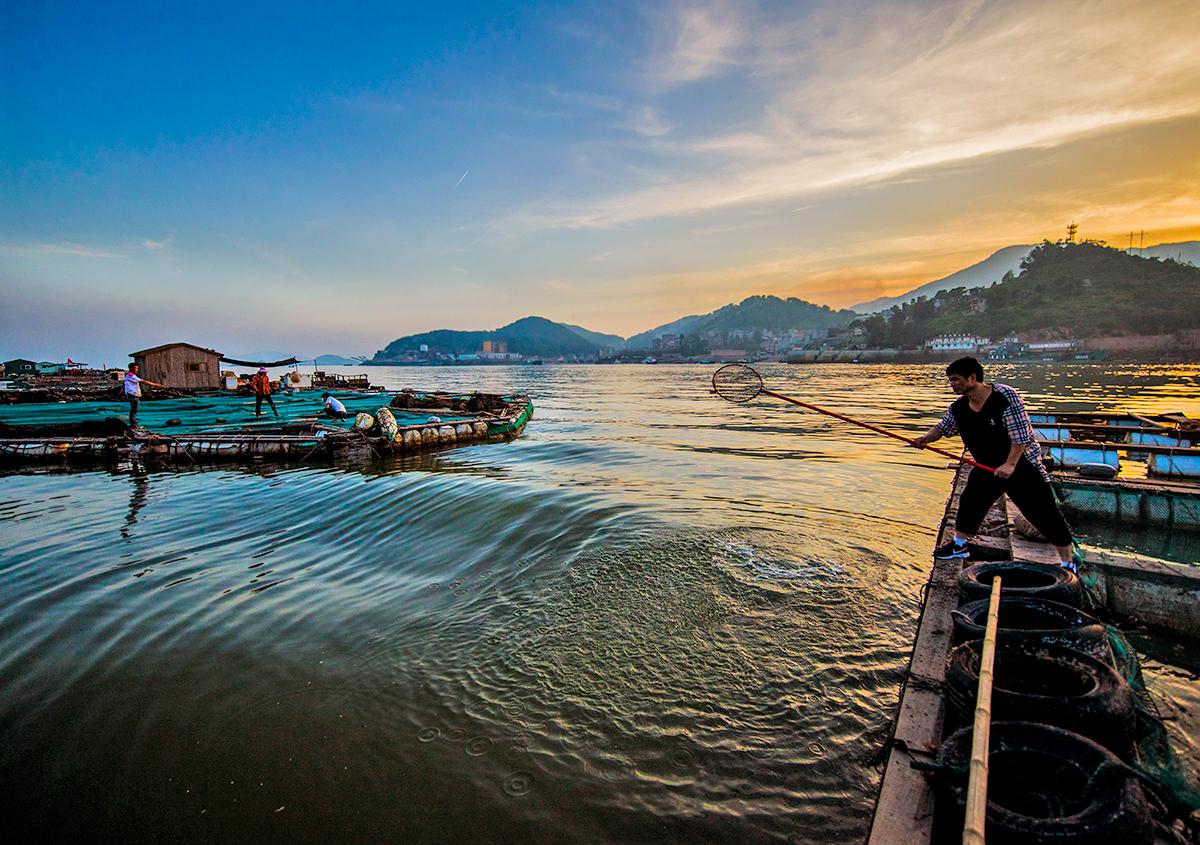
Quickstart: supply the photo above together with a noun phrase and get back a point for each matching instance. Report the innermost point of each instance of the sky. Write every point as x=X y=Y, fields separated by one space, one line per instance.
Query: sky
x=314 y=178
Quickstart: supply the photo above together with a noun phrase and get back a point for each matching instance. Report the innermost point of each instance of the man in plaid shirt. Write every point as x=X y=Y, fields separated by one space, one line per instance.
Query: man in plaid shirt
x=995 y=428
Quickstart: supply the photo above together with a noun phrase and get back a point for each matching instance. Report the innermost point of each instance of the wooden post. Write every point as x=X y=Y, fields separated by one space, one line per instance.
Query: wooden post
x=976 y=816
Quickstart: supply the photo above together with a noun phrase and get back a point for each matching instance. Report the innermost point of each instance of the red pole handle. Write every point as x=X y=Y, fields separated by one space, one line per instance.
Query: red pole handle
x=876 y=429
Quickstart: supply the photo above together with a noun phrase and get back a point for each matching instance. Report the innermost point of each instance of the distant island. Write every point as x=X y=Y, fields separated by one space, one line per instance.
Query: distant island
x=336 y=361
x=756 y=323
x=1087 y=299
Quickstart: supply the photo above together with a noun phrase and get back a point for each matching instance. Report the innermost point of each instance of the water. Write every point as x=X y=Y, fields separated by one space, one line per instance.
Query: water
x=655 y=617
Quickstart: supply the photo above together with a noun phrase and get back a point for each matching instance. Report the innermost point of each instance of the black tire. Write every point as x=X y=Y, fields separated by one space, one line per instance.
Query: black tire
x=1034 y=622
x=1027 y=580
x=1038 y=788
x=1047 y=684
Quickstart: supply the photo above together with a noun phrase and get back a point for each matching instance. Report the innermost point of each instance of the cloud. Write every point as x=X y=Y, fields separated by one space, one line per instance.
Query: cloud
x=158 y=246
x=646 y=121
x=597 y=102
x=61 y=248
x=847 y=100
x=695 y=42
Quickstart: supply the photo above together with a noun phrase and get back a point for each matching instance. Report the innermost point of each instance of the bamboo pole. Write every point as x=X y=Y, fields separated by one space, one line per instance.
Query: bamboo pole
x=976 y=815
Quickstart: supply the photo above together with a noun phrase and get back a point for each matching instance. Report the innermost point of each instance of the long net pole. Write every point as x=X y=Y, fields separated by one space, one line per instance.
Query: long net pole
x=876 y=429
x=976 y=811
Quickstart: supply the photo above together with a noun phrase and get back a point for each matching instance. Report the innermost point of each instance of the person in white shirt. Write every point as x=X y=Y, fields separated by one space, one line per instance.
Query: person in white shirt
x=334 y=408
x=133 y=391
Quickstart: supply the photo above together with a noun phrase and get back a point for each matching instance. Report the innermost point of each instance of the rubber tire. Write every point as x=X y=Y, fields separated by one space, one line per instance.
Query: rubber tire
x=1040 y=622
x=1096 y=703
x=1029 y=580
x=1025 y=756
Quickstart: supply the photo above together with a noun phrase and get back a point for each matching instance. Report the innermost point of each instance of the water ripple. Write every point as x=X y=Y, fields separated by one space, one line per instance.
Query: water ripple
x=654 y=617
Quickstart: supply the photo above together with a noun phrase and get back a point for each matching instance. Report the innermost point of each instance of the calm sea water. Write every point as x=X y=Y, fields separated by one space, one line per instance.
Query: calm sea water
x=655 y=617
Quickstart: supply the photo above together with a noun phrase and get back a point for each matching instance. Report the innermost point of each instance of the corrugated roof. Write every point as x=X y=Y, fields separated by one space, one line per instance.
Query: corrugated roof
x=169 y=345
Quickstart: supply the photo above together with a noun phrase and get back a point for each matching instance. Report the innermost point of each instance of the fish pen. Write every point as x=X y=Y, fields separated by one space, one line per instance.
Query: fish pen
x=225 y=428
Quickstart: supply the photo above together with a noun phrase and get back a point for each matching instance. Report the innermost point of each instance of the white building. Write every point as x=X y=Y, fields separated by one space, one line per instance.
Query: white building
x=955 y=343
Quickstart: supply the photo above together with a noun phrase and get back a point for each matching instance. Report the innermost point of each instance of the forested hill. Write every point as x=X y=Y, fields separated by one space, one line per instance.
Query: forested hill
x=755 y=313
x=531 y=336
x=1064 y=289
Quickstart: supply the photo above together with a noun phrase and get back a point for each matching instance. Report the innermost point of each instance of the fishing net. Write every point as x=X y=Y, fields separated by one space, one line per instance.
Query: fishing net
x=1157 y=763
x=737 y=383
x=1123 y=506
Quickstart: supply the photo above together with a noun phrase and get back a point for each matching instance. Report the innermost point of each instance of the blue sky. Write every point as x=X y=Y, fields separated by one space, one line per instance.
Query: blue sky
x=324 y=178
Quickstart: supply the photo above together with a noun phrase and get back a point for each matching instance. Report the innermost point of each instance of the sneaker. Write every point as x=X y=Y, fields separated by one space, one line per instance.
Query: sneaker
x=952 y=551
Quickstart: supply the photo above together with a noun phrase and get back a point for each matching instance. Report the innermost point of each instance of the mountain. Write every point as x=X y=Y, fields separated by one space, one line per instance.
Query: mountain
x=613 y=340
x=530 y=336
x=1185 y=252
x=682 y=326
x=753 y=313
x=336 y=361
x=1008 y=260
x=991 y=269
x=1064 y=290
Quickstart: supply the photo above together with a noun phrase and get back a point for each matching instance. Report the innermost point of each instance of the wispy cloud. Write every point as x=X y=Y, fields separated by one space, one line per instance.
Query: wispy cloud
x=647 y=121
x=158 y=246
x=61 y=248
x=857 y=99
x=695 y=41
x=597 y=102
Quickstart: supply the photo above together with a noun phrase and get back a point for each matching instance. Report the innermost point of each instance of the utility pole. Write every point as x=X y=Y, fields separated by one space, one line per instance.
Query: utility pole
x=1130 y=250
x=1072 y=228
x=1141 y=241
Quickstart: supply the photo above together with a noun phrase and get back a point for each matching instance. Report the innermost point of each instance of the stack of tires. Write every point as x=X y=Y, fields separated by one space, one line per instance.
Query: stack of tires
x=1063 y=721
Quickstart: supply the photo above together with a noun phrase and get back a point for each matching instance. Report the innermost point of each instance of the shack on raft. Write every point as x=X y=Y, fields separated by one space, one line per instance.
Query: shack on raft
x=215 y=428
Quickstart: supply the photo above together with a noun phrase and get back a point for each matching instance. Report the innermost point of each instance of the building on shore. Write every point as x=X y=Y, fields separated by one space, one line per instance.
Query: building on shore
x=28 y=367
x=955 y=343
x=182 y=365
x=1012 y=348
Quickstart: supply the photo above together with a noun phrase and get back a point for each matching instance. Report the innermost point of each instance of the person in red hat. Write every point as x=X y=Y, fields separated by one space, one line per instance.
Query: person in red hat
x=261 y=386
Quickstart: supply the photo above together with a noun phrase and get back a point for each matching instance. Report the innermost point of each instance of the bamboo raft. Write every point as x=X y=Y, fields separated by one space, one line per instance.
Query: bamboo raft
x=1154 y=593
x=286 y=443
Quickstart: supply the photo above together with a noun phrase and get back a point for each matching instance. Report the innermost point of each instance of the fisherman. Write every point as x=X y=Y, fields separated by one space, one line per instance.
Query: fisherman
x=334 y=408
x=261 y=386
x=133 y=391
x=994 y=426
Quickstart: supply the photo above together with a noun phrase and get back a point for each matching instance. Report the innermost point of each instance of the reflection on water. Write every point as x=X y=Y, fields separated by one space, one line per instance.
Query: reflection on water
x=656 y=617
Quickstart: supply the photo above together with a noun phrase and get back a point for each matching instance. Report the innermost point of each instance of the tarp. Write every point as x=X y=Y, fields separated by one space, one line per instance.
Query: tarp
x=286 y=362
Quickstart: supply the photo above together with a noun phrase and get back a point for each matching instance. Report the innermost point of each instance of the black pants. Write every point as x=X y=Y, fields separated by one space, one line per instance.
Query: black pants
x=258 y=399
x=133 y=405
x=1028 y=490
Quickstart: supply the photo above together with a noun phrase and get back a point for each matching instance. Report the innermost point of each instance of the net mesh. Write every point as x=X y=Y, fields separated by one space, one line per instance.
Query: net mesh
x=1157 y=760
x=737 y=383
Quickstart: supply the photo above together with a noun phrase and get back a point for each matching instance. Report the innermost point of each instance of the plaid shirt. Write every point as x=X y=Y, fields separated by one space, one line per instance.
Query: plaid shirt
x=1016 y=423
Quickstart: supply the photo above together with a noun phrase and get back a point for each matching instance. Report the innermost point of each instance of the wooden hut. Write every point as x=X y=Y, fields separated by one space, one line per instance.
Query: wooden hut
x=180 y=365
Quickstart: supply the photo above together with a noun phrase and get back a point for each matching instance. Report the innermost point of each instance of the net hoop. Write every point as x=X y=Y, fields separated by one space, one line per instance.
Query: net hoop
x=737 y=383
